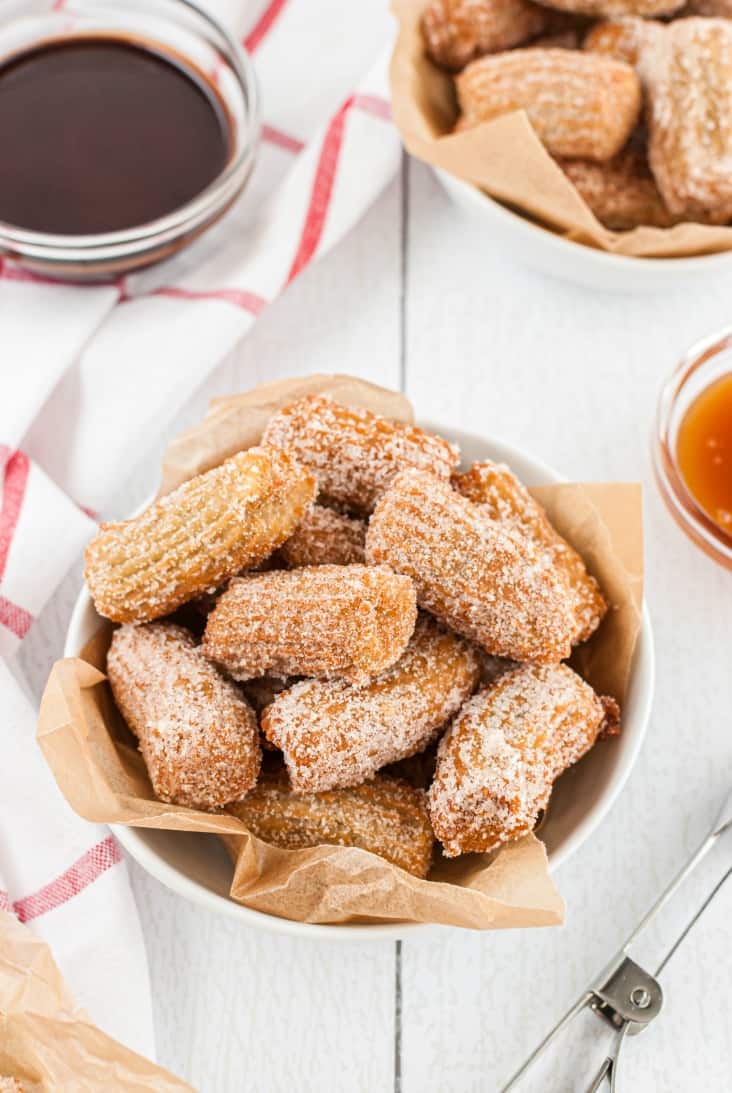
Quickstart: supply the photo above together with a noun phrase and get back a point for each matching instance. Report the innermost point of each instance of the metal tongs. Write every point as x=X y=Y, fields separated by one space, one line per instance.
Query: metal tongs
x=624 y=994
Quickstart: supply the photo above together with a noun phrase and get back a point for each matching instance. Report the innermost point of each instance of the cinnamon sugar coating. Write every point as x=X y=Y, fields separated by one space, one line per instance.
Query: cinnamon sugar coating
x=354 y=453
x=505 y=499
x=334 y=734
x=579 y=104
x=622 y=193
x=325 y=537
x=686 y=70
x=622 y=38
x=458 y=31
x=197 y=733
x=498 y=760
x=386 y=816
x=326 y=621
x=228 y=519
x=505 y=594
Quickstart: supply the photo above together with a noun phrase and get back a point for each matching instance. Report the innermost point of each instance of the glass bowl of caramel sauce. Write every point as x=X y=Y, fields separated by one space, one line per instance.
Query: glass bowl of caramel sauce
x=128 y=127
x=693 y=445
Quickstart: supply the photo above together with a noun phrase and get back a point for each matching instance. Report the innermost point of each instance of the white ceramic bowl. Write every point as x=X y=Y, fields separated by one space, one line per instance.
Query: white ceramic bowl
x=197 y=867
x=548 y=252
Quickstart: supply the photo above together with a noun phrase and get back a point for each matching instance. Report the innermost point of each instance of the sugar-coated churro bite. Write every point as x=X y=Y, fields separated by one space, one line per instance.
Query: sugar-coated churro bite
x=498 y=760
x=686 y=70
x=622 y=193
x=325 y=621
x=197 y=733
x=355 y=453
x=220 y=522
x=325 y=537
x=504 y=593
x=504 y=499
x=621 y=38
x=458 y=31
x=334 y=734
x=579 y=104
x=385 y=816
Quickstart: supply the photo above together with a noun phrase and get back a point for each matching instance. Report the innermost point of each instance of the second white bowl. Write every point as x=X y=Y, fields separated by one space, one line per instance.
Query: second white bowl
x=544 y=250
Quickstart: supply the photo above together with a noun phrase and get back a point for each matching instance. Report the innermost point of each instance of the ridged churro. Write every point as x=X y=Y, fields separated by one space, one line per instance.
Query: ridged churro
x=579 y=104
x=622 y=193
x=621 y=38
x=328 y=621
x=687 y=75
x=355 y=453
x=197 y=733
x=506 y=500
x=458 y=31
x=386 y=816
x=498 y=760
x=325 y=537
x=220 y=522
x=333 y=734
x=506 y=595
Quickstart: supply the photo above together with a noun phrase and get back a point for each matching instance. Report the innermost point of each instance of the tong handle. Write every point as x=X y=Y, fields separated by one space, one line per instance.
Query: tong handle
x=627 y=995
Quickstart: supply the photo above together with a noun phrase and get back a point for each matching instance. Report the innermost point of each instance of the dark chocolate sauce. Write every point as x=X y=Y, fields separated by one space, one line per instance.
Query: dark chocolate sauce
x=102 y=134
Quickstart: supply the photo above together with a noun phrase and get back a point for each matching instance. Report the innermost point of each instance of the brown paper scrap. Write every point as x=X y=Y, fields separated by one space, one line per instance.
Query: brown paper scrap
x=505 y=158
x=100 y=772
x=48 y=1045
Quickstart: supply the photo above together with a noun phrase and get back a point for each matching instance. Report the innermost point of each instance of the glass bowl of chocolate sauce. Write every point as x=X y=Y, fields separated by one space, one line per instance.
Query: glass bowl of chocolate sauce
x=128 y=128
x=692 y=445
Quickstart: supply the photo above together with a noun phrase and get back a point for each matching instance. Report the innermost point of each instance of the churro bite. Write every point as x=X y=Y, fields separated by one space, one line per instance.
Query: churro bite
x=498 y=760
x=458 y=31
x=622 y=193
x=197 y=733
x=334 y=734
x=326 y=621
x=579 y=104
x=355 y=453
x=687 y=74
x=621 y=38
x=228 y=519
x=505 y=500
x=503 y=592
x=325 y=537
x=385 y=816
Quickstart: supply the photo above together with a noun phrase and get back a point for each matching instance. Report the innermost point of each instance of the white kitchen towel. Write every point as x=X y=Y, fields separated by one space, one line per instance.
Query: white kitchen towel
x=91 y=375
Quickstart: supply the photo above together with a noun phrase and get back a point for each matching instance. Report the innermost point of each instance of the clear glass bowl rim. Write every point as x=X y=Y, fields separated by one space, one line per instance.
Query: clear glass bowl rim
x=692 y=519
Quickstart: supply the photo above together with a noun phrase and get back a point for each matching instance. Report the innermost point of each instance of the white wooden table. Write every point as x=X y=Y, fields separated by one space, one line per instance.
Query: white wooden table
x=414 y=299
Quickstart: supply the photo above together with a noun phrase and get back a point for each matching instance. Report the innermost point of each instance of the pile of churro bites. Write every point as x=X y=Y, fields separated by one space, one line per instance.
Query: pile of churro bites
x=633 y=98
x=342 y=639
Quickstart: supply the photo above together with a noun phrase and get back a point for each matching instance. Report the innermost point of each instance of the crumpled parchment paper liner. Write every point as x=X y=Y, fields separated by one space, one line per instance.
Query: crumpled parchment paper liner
x=48 y=1044
x=98 y=769
x=505 y=158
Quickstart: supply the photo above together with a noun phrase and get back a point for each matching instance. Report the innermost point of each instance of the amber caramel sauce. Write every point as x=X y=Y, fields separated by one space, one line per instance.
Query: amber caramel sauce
x=704 y=451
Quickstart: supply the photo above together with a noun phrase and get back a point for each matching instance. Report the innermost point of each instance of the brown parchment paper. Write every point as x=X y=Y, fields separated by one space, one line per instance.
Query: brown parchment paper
x=505 y=158
x=102 y=775
x=49 y=1045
